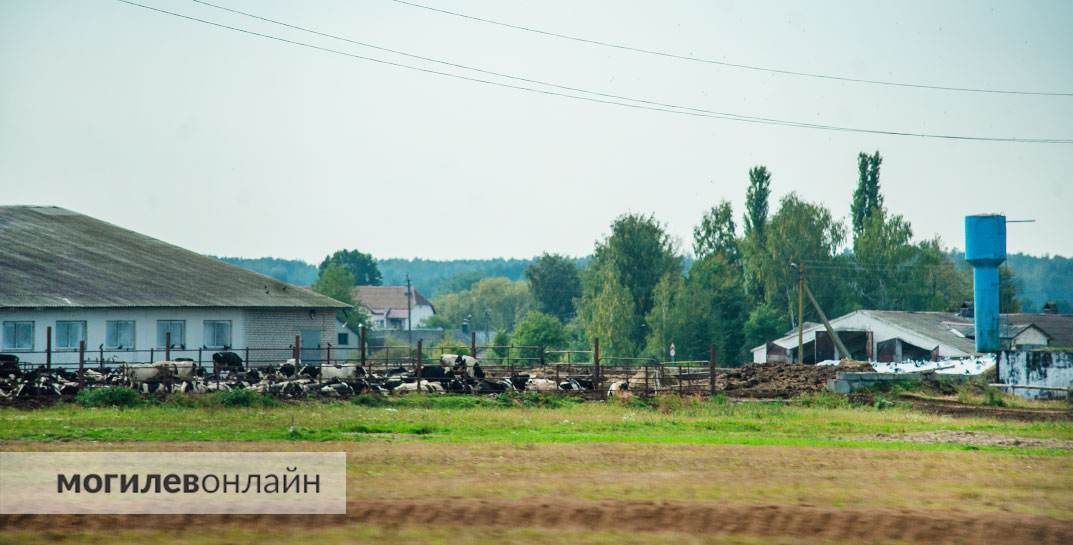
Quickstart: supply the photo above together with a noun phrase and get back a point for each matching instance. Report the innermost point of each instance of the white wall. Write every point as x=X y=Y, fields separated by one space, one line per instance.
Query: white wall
x=1052 y=369
x=145 y=332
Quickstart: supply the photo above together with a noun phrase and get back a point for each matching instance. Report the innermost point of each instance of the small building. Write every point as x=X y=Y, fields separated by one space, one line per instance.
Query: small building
x=896 y=336
x=387 y=306
x=123 y=294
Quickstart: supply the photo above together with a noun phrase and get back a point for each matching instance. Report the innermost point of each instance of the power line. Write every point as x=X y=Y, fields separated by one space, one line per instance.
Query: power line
x=731 y=64
x=682 y=110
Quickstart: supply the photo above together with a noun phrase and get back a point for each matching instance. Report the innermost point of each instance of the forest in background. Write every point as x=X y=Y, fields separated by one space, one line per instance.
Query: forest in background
x=641 y=292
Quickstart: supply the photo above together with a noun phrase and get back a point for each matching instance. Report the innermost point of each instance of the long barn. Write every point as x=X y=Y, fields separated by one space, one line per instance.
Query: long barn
x=67 y=279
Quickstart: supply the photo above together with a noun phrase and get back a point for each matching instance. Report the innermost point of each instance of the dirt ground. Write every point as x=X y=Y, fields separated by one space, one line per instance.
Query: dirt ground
x=977 y=439
x=951 y=407
x=855 y=525
x=763 y=492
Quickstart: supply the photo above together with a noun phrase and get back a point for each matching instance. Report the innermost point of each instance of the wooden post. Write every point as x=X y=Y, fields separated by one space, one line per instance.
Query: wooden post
x=646 y=379
x=417 y=365
x=711 y=369
x=297 y=349
x=329 y=353
x=81 y=363
x=167 y=346
x=596 y=364
x=152 y=355
x=100 y=357
x=510 y=366
x=48 y=347
x=473 y=343
x=247 y=357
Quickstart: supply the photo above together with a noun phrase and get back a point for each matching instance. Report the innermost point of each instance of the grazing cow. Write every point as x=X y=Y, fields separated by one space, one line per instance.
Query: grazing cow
x=346 y=371
x=227 y=361
x=142 y=372
x=436 y=372
x=571 y=385
x=541 y=385
x=518 y=381
x=424 y=386
x=455 y=359
x=494 y=386
x=620 y=389
x=337 y=389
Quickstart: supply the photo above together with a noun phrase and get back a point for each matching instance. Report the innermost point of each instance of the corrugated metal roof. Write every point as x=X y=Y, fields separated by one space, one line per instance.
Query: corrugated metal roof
x=381 y=298
x=940 y=326
x=53 y=257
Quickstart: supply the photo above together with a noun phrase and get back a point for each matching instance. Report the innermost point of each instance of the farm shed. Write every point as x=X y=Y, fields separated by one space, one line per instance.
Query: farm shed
x=896 y=336
x=121 y=293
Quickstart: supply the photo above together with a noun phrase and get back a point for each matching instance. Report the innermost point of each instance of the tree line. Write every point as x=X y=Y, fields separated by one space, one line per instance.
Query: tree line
x=735 y=286
x=640 y=292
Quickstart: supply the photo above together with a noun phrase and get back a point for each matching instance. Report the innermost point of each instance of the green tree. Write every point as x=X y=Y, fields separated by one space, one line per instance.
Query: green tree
x=716 y=234
x=805 y=233
x=539 y=329
x=636 y=255
x=492 y=304
x=336 y=282
x=555 y=284
x=664 y=320
x=362 y=266
x=755 y=223
x=866 y=198
x=609 y=314
x=765 y=323
x=1008 y=290
x=756 y=202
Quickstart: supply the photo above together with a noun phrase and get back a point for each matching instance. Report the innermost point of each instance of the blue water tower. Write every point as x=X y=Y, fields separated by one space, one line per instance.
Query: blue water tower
x=985 y=250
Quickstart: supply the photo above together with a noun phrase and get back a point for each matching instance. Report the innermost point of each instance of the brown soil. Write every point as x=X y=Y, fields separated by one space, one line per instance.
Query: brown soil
x=640 y=516
x=954 y=408
x=976 y=439
x=776 y=380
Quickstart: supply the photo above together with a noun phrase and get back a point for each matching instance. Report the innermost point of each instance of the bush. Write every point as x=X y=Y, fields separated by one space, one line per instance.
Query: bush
x=823 y=400
x=111 y=396
x=370 y=400
x=246 y=398
x=993 y=397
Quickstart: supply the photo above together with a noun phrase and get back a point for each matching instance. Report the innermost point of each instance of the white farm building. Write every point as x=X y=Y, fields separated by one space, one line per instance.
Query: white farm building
x=68 y=279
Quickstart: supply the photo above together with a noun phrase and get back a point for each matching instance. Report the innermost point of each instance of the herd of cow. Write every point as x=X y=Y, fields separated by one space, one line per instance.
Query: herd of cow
x=291 y=380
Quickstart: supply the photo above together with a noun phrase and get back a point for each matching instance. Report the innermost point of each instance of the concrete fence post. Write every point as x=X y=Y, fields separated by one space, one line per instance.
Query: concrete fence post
x=167 y=346
x=48 y=347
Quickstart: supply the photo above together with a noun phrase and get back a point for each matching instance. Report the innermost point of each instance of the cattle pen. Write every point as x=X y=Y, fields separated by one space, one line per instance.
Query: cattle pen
x=298 y=371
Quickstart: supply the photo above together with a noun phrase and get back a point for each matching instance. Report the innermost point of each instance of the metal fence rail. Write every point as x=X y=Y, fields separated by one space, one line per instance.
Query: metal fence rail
x=639 y=375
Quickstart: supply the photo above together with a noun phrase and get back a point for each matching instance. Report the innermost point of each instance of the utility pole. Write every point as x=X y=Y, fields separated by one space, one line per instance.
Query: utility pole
x=800 y=313
x=409 y=310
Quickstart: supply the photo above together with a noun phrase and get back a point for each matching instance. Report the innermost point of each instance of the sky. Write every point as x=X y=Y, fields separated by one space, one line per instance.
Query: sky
x=231 y=144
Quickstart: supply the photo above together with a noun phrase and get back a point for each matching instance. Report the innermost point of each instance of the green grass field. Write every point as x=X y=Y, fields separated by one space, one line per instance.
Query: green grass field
x=809 y=470
x=813 y=421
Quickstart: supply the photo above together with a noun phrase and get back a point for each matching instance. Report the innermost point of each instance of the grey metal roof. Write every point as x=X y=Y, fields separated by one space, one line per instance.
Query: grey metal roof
x=53 y=257
x=934 y=325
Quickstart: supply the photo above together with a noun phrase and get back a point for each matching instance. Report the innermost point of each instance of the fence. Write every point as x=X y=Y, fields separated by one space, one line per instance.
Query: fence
x=643 y=376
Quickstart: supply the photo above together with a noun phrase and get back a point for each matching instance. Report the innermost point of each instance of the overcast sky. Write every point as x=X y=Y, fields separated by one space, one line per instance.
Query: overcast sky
x=231 y=144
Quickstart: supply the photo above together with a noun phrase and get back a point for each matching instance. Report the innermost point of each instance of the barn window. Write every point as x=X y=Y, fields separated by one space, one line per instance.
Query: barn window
x=18 y=335
x=177 y=328
x=119 y=334
x=343 y=339
x=69 y=333
x=218 y=333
